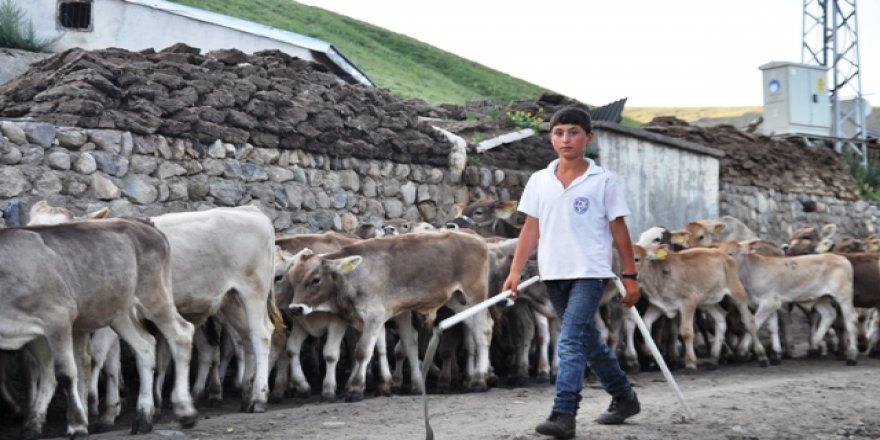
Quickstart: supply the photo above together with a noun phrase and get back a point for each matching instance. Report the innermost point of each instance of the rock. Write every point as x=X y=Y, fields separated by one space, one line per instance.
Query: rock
x=105 y=189
x=71 y=137
x=85 y=164
x=14 y=182
x=59 y=160
x=13 y=132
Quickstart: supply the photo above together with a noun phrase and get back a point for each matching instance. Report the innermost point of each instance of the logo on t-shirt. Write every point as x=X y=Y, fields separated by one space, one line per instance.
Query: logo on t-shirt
x=581 y=205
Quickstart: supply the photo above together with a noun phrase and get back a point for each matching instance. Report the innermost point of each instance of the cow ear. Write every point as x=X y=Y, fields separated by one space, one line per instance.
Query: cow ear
x=504 y=210
x=101 y=213
x=718 y=228
x=829 y=230
x=680 y=237
x=458 y=209
x=346 y=265
x=824 y=246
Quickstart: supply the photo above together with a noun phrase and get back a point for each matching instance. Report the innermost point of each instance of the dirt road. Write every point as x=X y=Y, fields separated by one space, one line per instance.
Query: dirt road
x=800 y=399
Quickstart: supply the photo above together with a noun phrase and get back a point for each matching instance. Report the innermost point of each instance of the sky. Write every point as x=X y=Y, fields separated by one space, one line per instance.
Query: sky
x=666 y=53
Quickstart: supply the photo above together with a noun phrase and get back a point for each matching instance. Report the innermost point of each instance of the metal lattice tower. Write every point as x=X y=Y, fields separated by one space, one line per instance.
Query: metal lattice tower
x=831 y=39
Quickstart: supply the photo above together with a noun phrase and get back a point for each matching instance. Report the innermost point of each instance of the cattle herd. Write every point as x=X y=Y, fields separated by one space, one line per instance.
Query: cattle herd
x=239 y=309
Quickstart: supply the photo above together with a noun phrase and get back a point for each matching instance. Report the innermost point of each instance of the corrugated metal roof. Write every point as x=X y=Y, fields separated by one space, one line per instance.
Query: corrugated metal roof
x=250 y=27
x=612 y=112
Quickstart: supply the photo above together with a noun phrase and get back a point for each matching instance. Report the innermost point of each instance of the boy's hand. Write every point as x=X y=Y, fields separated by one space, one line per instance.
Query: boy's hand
x=511 y=283
x=632 y=292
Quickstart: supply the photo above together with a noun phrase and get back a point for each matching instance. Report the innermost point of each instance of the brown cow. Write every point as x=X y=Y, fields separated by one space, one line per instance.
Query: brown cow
x=370 y=282
x=683 y=281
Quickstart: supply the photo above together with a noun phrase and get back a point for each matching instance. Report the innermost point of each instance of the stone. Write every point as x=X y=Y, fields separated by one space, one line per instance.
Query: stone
x=14 y=182
x=107 y=140
x=217 y=150
x=48 y=183
x=349 y=222
x=58 y=160
x=170 y=169
x=227 y=192
x=71 y=138
x=408 y=193
x=279 y=174
x=85 y=164
x=349 y=180
x=140 y=189
x=13 y=132
x=11 y=157
x=140 y=164
x=393 y=208
x=104 y=188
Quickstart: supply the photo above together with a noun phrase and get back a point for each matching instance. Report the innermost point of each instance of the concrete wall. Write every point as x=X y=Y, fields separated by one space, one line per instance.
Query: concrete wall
x=136 y=27
x=667 y=182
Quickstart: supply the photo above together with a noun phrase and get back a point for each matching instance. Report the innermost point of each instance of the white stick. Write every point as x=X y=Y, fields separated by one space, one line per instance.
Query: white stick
x=471 y=311
x=654 y=351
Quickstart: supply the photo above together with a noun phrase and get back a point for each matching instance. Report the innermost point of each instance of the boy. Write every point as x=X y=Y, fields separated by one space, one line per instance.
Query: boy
x=576 y=208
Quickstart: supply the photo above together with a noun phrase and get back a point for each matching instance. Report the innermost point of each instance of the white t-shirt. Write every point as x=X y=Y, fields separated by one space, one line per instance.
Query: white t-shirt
x=574 y=222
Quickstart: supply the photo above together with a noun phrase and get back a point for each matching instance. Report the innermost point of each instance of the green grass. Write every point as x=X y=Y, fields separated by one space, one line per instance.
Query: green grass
x=17 y=30
x=689 y=114
x=408 y=67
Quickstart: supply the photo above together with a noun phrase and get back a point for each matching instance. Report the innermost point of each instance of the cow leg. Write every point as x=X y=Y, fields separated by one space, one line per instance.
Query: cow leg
x=279 y=359
x=827 y=314
x=112 y=368
x=480 y=330
x=766 y=309
x=64 y=345
x=651 y=315
x=205 y=355
x=542 y=327
x=850 y=320
x=105 y=345
x=163 y=360
x=775 y=342
x=250 y=318
x=740 y=299
x=409 y=338
x=362 y=355
x=383 y=388
x=230 y=347
x=686 y=331
x=46 y=383
x=630 y=356
x=785 y=331
x=293 y=346
x=719 y=315
x=178 y=332
x=332 y=349
x=83 y=358
x=143 y=345
x=525 y=318
x=872 y=331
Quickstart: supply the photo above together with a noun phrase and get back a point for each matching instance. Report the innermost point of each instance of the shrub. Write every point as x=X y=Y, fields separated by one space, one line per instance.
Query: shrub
x=524 y=119
x=868 y=178
x=16 y=32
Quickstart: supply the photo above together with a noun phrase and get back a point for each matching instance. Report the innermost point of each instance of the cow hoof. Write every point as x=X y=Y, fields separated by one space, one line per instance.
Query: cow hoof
x=141 y=425
x=492 y=380
x=187 y=422
x=354 y=397
x=273 y=398
x=774 y=360
x=814 y=353
x=690 y=370
x=79 y=435
x=327 y=398
x=542 y=378
x=386 y=392
x=851 y=362
x=443 y=389
x=396 y=389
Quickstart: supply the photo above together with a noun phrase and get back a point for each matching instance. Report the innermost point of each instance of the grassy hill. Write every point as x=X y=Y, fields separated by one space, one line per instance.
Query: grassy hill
x=408 y=67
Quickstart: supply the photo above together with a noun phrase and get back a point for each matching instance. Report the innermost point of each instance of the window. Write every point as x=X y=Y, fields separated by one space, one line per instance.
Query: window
x=75 y=15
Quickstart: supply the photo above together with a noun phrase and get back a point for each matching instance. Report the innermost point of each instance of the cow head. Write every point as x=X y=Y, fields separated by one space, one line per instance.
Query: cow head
x=44 y=214
x=735 y=248
x=319 y=283
x=701 y=233
x=654 y=235
x=644 y=255
x=400 y=226
x=807 y=240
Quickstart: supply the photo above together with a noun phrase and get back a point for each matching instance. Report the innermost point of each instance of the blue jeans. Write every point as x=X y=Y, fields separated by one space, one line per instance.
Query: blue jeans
x=581 y=344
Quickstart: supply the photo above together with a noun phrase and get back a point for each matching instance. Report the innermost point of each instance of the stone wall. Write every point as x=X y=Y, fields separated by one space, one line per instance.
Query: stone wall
x=774 y=214
x=85 y=169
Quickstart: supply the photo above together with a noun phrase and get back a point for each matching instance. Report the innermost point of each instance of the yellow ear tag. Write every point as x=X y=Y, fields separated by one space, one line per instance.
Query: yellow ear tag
x=873 y=247
x=661 y=254
x=717 y=229
x=349 y=266
x=822 y=248
x=679 y=239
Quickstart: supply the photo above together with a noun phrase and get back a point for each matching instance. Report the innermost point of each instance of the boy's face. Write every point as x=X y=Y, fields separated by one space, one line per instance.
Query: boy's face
x=570 y=140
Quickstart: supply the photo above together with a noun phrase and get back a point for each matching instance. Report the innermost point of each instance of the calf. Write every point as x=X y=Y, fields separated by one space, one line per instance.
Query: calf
x=372 y=281
x=806 y=279
x=684 y=281
x=64 y=281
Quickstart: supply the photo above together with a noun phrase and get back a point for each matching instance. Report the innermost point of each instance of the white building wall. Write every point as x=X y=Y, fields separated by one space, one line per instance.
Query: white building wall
x=137 y=27
x=664 y=185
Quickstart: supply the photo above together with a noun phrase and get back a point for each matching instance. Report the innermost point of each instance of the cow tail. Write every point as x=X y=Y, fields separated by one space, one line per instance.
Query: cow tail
x=275 y=313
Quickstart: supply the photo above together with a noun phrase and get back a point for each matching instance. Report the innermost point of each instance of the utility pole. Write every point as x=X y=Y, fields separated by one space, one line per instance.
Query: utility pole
x=831 y=39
